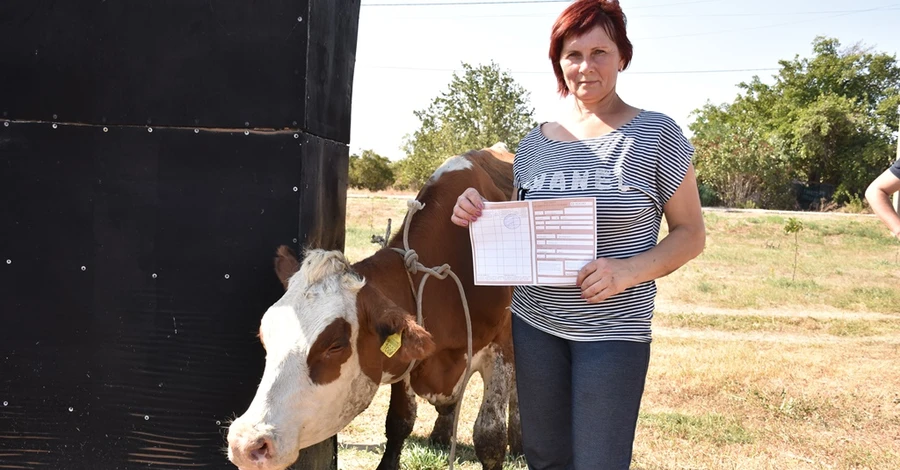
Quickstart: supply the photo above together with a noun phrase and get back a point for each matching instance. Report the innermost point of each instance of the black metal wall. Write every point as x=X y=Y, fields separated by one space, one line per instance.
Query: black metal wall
x=152 y=157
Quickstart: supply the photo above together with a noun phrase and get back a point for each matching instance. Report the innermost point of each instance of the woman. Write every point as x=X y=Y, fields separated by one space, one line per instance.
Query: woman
x=582 y=352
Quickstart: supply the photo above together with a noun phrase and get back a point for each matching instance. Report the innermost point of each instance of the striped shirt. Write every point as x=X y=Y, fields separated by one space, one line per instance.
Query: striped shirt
x=632 y=172
x=895 y=168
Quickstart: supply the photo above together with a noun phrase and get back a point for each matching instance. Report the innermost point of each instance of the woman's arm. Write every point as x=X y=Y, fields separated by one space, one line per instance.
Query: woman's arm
x=605 y=277
x=879 y=196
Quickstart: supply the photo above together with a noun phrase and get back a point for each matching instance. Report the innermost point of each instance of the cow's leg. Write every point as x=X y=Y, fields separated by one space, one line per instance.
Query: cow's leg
x=514 y=426
x=401 y=418
x=490 y=426
x=443 y=425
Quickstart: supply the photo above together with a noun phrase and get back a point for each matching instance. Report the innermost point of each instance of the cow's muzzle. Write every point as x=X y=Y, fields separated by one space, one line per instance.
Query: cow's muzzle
x=250 y=449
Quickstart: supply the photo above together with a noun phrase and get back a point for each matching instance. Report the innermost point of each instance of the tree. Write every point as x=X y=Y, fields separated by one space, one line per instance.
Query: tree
x=735 y=160
x=825 y=120
x=482 y=106
x=370 y=171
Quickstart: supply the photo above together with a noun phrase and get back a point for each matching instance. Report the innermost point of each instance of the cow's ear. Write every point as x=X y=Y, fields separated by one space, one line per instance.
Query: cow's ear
x=385 y=319
x=286 y=264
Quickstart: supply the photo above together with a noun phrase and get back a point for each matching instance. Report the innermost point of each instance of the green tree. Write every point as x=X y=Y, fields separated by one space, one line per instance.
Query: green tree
x=735 y=160
x=482 y=105
x=825 y=119
x=370 y=171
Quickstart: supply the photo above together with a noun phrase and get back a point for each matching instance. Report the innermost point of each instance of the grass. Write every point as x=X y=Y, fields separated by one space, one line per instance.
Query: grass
x=368 y=215
x=707 y=427
x=846 y=262
x=749 y=370
x=781 y=324
x=418 y=454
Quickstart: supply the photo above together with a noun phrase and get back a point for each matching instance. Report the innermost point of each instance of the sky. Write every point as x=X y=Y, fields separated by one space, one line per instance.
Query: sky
x=686 y=52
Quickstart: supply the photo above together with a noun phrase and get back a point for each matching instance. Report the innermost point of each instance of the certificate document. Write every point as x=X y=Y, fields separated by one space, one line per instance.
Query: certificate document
x=537 y=242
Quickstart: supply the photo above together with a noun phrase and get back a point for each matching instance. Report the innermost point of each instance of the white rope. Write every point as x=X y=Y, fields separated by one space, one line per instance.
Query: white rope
x=413 y=266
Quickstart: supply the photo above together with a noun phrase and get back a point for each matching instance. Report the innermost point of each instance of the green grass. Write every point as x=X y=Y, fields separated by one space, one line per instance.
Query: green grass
x=419 y=454
x=709 y=427
x=876 y=298
x=845 y=262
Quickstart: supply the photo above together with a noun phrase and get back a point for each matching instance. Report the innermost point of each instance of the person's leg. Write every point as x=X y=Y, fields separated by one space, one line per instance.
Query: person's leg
x=607 y=384
x=543 y=379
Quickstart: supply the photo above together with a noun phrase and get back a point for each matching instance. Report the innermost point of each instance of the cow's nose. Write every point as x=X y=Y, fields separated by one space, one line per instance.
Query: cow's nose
x=259 y=451
x=251 y=451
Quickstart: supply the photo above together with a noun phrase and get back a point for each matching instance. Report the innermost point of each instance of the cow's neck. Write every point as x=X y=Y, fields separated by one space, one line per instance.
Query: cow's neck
x=386 y=272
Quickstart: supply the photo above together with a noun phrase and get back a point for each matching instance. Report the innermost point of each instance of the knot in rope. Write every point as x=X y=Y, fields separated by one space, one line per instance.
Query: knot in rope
x=440 y=272
x=411 y=260
x=414 y=204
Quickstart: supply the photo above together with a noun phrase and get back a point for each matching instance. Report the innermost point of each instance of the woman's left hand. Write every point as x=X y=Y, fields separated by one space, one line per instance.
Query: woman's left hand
x=603 y=278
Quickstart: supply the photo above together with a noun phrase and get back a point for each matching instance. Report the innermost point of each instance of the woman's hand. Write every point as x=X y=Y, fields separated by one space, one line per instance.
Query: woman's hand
x=468 y=208
x=603 y=278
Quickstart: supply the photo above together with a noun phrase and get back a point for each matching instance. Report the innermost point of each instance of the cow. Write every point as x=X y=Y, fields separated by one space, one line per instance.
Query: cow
x=324 y=337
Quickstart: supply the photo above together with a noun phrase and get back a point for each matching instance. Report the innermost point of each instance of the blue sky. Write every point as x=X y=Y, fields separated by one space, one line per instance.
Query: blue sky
x=406 y=54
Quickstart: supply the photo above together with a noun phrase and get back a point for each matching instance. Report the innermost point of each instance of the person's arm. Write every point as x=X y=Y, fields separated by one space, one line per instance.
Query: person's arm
x=605 y=277
x=879 y=196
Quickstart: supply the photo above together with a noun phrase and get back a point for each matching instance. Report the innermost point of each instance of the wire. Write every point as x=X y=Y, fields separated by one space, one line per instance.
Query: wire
x=518 y=2
x=654 y=72
x=444 y=4
x=632 y=17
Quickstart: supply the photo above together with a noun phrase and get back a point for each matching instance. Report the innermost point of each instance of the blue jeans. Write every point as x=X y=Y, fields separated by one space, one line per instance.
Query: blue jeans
x=578 y=401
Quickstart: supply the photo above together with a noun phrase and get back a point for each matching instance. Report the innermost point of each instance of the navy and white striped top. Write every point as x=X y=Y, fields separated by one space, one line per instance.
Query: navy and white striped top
x=632 y=172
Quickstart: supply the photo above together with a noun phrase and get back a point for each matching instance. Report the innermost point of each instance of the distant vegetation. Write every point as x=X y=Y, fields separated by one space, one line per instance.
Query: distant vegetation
x=370 y=171
x=481 y=106
x=822 y=132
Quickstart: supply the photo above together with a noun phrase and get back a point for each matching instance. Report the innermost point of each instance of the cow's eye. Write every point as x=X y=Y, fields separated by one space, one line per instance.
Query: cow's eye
x=336 y=348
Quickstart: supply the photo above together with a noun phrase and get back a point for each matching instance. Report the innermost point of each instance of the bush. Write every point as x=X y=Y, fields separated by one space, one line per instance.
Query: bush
x=708 y=196
x=370 y=171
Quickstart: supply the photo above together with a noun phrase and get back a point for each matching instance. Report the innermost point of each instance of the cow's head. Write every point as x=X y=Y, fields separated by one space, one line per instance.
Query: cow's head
x=323 y=359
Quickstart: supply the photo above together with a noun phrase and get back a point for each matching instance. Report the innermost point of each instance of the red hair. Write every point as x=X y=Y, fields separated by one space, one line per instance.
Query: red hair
x=579 y=18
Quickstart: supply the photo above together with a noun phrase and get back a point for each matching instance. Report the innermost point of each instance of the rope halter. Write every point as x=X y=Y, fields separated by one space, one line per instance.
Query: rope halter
x=413 y=266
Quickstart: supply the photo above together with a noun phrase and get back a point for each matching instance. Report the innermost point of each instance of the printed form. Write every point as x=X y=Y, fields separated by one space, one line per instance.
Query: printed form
x=538 y=242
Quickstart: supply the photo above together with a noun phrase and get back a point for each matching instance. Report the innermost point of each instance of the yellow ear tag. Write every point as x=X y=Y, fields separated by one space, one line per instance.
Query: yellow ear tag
x=391 y=345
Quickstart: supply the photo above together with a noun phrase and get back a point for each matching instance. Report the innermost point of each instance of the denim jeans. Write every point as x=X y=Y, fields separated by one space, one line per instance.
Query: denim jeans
x=578 y=400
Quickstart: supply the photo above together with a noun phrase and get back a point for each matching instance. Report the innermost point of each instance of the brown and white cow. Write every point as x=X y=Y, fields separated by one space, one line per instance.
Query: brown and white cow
x=323 y=337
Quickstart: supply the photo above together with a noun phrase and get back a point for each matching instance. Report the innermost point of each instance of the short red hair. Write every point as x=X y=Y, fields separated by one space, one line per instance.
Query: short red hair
x=579 y=18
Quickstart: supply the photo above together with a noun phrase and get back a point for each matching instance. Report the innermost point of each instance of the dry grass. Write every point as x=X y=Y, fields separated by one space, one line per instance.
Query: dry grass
x=749 y=370
x=845 y=262
x=368 y=215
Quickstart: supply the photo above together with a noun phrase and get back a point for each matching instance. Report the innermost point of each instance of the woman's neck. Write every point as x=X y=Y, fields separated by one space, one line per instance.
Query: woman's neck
x=604 y=110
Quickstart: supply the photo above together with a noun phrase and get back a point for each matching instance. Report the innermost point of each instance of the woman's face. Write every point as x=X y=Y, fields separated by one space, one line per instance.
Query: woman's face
x=590 y=65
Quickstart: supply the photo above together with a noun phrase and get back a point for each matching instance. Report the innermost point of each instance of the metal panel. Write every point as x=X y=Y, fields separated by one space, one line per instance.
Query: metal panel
x=135 y=267
x=212 y=63
x=323 y=193
x=330 y=62
x=135 y=251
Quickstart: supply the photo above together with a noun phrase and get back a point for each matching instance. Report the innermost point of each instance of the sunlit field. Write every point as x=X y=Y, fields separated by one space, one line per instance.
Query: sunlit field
x=755 y=365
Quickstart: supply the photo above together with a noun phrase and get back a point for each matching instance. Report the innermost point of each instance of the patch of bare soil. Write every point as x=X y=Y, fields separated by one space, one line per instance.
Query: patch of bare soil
x=771 y=337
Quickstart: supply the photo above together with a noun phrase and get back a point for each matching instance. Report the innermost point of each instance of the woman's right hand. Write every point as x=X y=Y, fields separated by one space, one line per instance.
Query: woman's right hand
x=468 y=208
